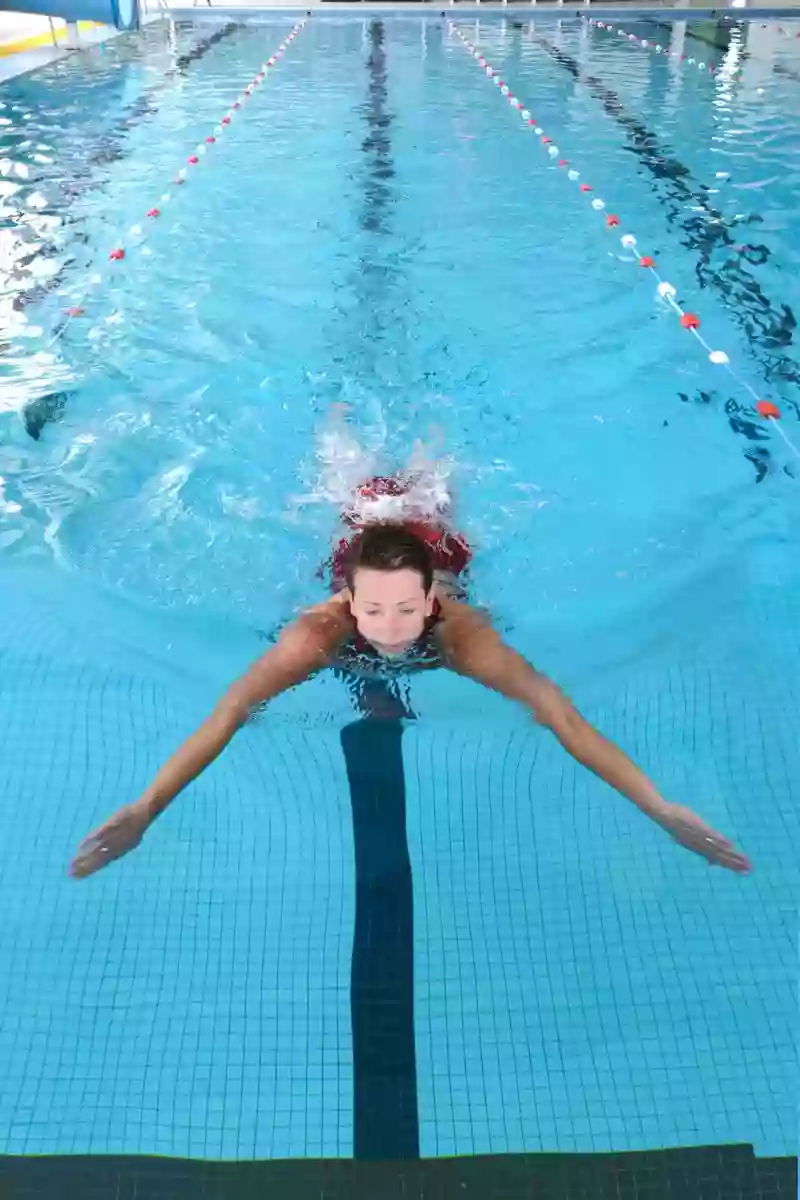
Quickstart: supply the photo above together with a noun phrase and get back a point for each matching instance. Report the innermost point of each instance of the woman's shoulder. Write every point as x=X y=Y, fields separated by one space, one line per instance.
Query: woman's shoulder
x=333 y=613
x=338 y=602
x=454 y=616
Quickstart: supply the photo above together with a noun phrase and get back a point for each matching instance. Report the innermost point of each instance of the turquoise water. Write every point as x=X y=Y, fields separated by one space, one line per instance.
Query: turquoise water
x=378 y=227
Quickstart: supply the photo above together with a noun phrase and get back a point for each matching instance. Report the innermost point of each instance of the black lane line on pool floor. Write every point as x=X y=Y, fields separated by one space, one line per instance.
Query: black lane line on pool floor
x=767 y=326
x=385 y=1115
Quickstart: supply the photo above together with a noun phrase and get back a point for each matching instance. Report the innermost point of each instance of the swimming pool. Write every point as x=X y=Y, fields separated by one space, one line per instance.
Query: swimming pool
x=356 y=937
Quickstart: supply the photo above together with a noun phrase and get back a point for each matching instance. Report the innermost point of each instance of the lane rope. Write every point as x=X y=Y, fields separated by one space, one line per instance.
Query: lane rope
x=137 y=232
x=666 y=290
x=655 y=47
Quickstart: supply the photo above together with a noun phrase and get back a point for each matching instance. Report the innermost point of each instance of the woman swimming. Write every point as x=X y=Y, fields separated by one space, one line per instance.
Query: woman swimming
x=388 y=527
x=393 y=607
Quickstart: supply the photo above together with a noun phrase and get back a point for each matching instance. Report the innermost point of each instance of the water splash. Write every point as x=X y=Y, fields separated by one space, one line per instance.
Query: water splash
x=347 y=457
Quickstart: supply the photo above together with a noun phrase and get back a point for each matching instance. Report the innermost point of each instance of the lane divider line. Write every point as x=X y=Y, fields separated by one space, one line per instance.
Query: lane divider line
x=654 y=47
x=666 y=290
x=785 y=32
x=137 y=231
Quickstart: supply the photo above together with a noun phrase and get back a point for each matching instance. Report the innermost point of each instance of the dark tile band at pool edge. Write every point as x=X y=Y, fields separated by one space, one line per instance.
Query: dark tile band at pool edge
x=699 y=1173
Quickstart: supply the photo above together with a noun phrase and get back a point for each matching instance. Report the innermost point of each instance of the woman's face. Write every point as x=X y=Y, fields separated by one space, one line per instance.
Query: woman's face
x=390 y=608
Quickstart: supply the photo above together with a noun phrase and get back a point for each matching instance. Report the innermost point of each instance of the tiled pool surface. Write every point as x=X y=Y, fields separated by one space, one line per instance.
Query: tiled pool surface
x=367 y=950
x=568 y=984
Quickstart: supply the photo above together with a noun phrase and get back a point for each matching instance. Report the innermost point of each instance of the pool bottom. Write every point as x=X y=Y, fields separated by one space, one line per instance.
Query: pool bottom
x=710 y=1173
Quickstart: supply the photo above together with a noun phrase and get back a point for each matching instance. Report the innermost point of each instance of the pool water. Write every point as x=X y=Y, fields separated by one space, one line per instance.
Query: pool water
x=352 y=936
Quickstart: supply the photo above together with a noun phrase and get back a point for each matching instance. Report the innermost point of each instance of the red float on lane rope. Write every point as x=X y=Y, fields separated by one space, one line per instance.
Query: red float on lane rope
x=782 y=31
x=119 y=253
x=655 y=47
x=666 y=291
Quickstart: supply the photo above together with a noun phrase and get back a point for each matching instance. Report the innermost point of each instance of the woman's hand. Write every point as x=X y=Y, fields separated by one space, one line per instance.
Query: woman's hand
x=111 y=840
x=688 y=829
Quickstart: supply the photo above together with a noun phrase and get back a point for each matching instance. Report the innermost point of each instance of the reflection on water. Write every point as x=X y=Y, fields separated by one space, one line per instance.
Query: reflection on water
x=62 y=131
x=168 y=450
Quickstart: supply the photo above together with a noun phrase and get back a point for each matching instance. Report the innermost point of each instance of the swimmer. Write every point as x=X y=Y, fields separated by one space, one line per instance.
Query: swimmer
x=397 y=608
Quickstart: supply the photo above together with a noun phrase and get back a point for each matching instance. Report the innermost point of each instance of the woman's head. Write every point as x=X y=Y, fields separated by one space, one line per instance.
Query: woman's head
x=389 y=572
